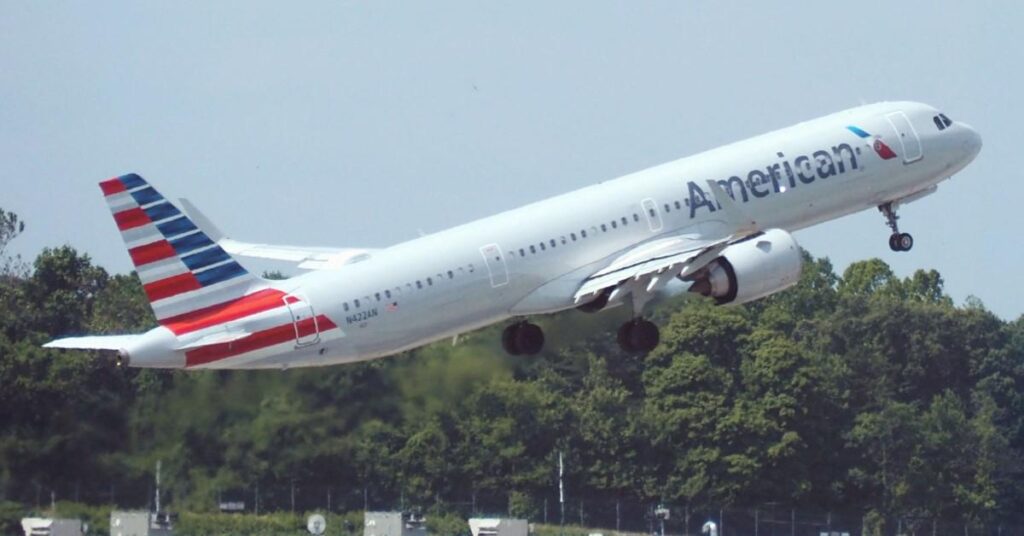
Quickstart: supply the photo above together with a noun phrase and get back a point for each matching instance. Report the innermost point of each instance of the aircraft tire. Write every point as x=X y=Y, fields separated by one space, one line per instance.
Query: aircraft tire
x=508 y=340
x=638 y=336
x=529 y=338
x=625 y=338
x=894 y=243
x=644 y=336
x=906 y=242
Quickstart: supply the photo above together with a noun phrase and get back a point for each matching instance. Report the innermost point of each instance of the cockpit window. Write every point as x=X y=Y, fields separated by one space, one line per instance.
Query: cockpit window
x=941 y=121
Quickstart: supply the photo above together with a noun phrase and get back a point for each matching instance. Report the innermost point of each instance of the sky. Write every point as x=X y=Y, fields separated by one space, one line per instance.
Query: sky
x=363 y=124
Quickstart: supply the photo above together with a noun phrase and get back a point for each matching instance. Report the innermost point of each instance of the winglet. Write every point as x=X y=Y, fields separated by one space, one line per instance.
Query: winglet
x=733 y=212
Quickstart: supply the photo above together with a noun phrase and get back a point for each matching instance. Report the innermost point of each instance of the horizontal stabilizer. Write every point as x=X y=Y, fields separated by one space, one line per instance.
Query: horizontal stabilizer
x=94 y=342
x=304 y=257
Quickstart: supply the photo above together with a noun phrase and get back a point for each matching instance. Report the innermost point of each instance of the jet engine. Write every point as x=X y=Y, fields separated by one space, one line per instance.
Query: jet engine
x=754 y=268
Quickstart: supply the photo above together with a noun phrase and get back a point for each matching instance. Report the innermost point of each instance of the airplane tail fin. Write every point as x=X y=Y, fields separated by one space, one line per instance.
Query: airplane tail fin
x=181 y=268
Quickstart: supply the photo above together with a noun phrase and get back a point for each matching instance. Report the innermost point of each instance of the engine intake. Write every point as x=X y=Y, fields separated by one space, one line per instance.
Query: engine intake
x=751 y=269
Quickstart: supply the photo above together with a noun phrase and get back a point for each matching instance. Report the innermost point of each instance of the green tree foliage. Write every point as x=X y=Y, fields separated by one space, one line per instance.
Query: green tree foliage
x=866 y=392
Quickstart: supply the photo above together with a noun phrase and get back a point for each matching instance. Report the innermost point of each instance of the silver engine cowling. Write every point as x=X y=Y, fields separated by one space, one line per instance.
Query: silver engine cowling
x=754 y=268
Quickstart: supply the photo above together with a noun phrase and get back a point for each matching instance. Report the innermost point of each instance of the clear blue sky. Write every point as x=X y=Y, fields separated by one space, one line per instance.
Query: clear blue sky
x=356 y=124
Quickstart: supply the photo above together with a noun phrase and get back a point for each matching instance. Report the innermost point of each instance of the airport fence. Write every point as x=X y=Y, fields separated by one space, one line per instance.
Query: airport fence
x=625 y=515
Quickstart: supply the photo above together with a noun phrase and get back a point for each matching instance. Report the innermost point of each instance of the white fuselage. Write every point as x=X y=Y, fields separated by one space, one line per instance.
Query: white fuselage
x=532 y=259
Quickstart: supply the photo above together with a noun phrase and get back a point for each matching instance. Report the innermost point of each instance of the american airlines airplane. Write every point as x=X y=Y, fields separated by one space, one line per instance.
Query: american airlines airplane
x=716 y=224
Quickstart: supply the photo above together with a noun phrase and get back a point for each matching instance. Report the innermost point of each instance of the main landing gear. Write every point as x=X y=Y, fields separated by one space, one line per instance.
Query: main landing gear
x=897 y=241
x=522 y=338
x=638 y=336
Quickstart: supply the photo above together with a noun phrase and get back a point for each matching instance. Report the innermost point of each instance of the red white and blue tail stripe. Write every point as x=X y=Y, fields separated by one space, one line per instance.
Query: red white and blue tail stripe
x=182 y=270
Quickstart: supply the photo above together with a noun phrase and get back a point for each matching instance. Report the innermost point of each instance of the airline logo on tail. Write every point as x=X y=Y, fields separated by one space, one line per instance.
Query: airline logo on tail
x=880 y=147
x=180 y=267
x=196 y=288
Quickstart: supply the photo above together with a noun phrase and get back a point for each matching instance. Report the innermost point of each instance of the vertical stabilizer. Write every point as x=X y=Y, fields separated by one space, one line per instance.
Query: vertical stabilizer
x=182 y=270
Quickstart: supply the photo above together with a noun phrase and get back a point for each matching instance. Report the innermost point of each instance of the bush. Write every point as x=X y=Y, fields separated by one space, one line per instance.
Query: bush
x=10 y=517
x=218 y=524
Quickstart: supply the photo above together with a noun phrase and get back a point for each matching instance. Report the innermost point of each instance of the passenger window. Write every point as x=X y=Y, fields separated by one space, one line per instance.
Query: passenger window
x=666 y=208
x=651 y=212
x=419 y=284
x=542 y=248
x=636 y=217
x=451 y=275
x=345 y=306
x=625 y=221
x=552 y=242
x=572 y=236
x=356 y=301
x=387 y=294
x=615 y=224
x=604 y=228
x=564 y=241
x=471 y=269
x=377 y=295
x=583 y=233
x=678 y=206
x=533 y=249
x=430 y=281
x=522 y=252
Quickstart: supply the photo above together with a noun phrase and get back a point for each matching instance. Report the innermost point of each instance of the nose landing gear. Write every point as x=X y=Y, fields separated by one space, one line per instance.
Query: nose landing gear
x=897 y=241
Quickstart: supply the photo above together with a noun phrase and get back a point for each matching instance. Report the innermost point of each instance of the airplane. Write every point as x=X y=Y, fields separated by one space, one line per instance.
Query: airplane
x=716 y=224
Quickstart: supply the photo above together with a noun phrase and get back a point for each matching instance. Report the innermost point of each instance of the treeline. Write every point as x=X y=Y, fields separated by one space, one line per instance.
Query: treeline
x=863 y=393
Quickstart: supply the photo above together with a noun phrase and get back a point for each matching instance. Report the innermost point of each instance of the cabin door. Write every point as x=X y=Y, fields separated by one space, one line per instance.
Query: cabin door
x=494 y=260
x=303 y=321
x=905 y=132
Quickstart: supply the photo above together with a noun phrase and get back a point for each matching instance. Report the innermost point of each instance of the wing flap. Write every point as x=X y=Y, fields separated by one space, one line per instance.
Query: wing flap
x=660 y=260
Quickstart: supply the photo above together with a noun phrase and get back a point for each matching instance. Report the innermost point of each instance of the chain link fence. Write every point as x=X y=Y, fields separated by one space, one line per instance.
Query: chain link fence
x=625 y=515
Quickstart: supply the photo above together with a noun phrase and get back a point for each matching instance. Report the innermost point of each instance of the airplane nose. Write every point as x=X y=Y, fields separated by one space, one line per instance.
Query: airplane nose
x=971 y=142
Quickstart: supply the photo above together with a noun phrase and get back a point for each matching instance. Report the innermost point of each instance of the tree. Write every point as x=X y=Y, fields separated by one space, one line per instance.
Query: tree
x=60 y=294
x=10 y=228
x=870 y=277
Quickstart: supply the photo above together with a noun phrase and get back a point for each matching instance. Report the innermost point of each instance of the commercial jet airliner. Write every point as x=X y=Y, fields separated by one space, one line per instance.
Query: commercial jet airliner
x=716 y=224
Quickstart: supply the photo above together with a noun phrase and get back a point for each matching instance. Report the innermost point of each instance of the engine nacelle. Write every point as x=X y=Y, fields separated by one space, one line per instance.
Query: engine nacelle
x=752 y=269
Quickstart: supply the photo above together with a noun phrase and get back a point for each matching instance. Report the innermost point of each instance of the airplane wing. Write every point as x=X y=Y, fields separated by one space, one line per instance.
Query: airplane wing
x=306 y=258
x=657 y=262
x=649 y=266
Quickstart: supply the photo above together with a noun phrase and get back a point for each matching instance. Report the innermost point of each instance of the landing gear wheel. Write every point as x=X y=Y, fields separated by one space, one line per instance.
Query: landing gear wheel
x=529 y=338
x=897 y=241
x=901 y=242
x=894 y=242
x=625 y=339
x=638 y=336
x=522 y=338
x=905 y=241
x=508 y=340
